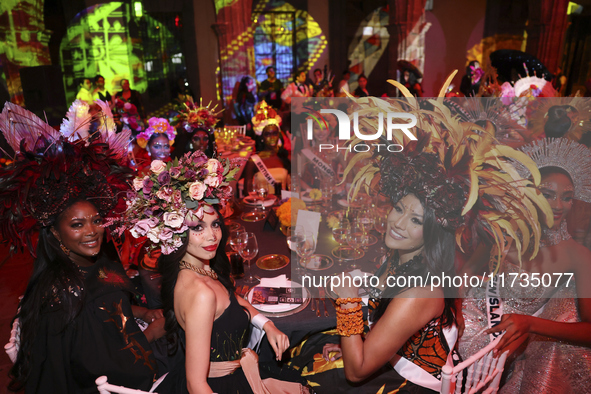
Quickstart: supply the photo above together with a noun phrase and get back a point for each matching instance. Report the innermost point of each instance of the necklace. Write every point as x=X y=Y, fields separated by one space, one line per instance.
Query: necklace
x=184 y=265
x=403 y=269
x=554 y=237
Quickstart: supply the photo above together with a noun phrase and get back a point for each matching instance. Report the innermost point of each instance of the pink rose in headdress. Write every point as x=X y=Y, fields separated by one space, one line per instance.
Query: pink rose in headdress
x=168 y=249
x=164 y=178
x=196 y=190
x=165 y=194
x=141 y=228
x=157 y=166
x=213 y=165
x=173 y=219
x=147 y=186
x=153 y=235
x=212 y=180
x=138 y=183
x=175 y=172
x=165 y=234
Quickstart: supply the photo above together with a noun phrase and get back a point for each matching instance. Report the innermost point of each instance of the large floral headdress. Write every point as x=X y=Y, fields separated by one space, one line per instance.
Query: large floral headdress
x=129 y=115
x=459 y=171
x=51 y=169
x=156 y=126
x=173 y=197
x=192 y=116
x=265 y=116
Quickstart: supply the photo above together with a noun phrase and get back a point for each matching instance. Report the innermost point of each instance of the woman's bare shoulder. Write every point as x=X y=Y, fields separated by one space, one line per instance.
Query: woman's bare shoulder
x=192 y=291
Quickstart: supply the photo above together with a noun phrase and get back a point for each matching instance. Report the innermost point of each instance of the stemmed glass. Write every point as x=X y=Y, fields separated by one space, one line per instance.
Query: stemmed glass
x=339 y=233
x=248 y=249
x=306 y=248
x=366 y=221
x=294 y=243
x=380 y=225
x=355 y=238
x=234 y=239
x=262 y=190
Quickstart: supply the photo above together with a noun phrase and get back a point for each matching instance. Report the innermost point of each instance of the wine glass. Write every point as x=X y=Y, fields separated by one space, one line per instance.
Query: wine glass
x=339 y=233
x=248 y=249
x=366 y=221
x=262 y=190
x=380 y=225
x=294 y=242
x=306 y=248
x=355 y=238
x=234 y=239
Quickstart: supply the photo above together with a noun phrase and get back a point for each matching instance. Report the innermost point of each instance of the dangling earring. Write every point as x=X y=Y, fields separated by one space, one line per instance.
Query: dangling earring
x=64 y=249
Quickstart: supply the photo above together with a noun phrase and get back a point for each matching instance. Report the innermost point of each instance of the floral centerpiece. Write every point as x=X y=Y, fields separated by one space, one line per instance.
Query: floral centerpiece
x=174 y=197
x=288 y=212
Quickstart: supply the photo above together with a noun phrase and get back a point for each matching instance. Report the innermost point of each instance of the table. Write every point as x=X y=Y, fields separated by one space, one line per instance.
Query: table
x=305 y=322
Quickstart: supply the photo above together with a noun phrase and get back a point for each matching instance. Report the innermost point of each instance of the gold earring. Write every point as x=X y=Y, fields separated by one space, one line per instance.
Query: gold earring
x=64 y=249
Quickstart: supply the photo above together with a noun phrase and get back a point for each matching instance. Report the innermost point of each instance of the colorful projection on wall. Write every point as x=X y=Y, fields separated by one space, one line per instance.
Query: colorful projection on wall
x=98 y=41
x=288 y=38
x=23 y=42
x=370 y=42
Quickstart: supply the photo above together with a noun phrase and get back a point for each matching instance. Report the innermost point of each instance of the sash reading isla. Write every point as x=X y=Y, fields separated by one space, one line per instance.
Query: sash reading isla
x=321 y=165
x=262 y=168
x=494 y=302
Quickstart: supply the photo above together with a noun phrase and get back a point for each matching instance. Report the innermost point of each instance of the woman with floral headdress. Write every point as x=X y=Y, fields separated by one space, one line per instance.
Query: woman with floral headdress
x=441 y=193
x=75 y=322
x=176 y=206
x=195 y=125
x=270 y=147
x=552 y=320
x=156 y=141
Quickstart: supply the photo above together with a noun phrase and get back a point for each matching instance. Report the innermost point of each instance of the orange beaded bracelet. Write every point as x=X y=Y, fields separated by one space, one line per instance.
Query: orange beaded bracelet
x=347 y=300
x=350 y=323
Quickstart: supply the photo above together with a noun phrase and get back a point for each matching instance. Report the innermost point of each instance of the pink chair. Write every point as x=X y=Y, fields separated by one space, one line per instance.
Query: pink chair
x=484 y=373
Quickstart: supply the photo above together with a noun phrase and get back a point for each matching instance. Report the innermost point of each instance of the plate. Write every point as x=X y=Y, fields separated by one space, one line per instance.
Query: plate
x=272 y=262
x=281 y=310
x=233 y=225
x=254 y=216
x=348 y=253
x=269 y=201
x=318 y=262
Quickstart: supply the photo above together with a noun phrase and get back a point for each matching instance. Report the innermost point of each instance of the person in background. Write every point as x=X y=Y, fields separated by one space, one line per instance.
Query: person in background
x=409 y=80
x=84 y=94
x=470 y=84
x=344 y=84
x=129 y=95
x=100 y=92
x=322 y=87
x=298 y=88
x=361 y=90
x=271 y=89
x=245 y=102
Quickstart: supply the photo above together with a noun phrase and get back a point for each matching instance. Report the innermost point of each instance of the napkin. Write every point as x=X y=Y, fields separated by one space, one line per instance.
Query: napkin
x=278 y=281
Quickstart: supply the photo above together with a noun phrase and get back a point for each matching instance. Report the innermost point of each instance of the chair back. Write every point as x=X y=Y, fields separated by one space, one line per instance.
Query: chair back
x=483 y=372
x=241 y=129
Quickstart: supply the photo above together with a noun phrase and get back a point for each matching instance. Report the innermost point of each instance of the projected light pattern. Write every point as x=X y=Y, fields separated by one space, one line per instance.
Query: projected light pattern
x=23 y=42
x=98 y=41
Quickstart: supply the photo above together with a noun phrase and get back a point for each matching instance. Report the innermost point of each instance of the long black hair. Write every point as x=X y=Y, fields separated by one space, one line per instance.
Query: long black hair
x=56 y=282
x=168 y=265
x=438 y=256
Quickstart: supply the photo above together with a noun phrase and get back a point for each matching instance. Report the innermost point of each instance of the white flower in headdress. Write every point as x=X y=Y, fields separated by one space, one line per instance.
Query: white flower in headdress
x=77 y=122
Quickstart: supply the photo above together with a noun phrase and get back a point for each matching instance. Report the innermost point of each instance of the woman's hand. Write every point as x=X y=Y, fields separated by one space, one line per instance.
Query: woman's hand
x=515 y=326
x=155 y=330
x=345 y=291
x=330 y=348
x=152 y=315
x=278 y=340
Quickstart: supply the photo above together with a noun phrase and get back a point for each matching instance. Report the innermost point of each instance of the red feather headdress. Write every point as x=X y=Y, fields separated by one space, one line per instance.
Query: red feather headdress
x=52 y=169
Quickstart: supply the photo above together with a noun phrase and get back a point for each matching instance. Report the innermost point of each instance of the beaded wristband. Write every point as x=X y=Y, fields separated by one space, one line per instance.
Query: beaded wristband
x=347 y=300
x=348 y=310
x=350 y=323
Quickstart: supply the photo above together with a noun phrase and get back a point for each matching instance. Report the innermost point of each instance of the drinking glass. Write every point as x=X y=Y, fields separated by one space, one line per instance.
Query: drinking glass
x=261 y=186
x=234 y=239
x=248 y=249
x=306 y=248
x=339 y=233
x=294 y=242
x=380 y=225
x=366 y=221
x=355 y=237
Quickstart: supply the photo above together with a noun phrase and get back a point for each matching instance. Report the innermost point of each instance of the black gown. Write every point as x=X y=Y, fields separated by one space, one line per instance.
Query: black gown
x=228 y=336
x=103 y=339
